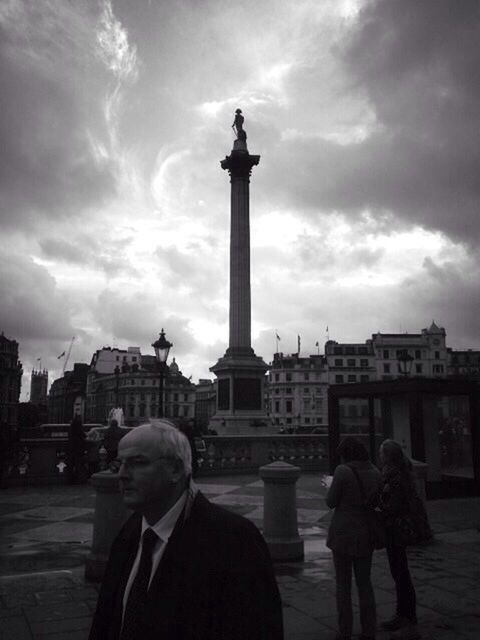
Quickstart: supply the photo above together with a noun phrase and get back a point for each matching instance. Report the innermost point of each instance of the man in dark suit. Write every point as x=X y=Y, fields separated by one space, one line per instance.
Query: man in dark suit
x=181 y=568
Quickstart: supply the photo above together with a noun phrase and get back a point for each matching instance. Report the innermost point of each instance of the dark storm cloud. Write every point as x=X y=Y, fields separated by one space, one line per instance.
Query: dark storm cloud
x=50 y=85
x=31 y=306
x=418 y=66
x=135 y=320
x=106 y=254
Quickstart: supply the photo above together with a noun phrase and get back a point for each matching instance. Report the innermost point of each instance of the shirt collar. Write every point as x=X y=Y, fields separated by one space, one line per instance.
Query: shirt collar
x=165 y=526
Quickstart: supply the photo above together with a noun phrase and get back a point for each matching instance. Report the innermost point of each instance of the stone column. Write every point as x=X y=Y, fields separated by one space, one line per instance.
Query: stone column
x=280 y=528
x=240 y=298
x=239 y=165
x=110 y=514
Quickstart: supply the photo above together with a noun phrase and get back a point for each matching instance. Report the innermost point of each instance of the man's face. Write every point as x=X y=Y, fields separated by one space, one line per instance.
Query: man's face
x=147 y=478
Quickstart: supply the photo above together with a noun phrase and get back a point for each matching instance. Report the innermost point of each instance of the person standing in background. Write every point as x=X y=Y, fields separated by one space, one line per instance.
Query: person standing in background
x=349 y=535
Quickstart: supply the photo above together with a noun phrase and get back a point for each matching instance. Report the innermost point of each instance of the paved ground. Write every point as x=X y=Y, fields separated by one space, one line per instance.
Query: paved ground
x=45 y=535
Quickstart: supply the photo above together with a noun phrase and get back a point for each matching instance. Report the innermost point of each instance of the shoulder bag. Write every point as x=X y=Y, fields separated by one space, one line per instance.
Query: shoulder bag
x=413 y=527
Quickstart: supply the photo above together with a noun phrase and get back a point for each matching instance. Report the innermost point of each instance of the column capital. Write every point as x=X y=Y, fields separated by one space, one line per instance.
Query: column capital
x=239 y=164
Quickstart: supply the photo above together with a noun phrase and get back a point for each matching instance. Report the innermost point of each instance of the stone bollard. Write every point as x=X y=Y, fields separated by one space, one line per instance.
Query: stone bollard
x=280 y=528
x=110 y=514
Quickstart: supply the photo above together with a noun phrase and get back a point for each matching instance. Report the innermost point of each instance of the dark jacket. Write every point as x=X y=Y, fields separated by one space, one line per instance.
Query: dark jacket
x=400 y=498
x=348 y=533
x=215 y=582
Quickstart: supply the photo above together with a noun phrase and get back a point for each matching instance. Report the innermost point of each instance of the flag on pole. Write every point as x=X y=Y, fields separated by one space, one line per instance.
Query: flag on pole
x=277 y=336
x=298 y=343
x=61 y=355
x=326 y=331
x=38 y=359
x=316 y=344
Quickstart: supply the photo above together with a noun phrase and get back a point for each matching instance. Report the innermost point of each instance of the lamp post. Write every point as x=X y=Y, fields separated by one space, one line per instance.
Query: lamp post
x=404 y=360
x=116 y=372
x=162 y=348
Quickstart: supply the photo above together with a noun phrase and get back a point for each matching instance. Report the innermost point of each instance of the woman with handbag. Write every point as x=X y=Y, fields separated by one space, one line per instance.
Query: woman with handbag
x=398 y=494
x=355 y=483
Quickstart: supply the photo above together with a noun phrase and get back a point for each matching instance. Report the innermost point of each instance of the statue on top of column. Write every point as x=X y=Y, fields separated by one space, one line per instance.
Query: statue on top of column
x=237 y=126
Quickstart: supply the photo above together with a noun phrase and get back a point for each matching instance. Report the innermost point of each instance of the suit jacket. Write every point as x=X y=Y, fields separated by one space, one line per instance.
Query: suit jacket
x=215 y=581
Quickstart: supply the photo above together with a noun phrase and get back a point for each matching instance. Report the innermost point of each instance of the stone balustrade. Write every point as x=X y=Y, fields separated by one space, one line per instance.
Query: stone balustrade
x=44 y=460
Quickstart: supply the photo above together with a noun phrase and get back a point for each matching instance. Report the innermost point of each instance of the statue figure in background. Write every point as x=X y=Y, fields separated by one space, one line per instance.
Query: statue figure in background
x=116 y=414
x=237 y=126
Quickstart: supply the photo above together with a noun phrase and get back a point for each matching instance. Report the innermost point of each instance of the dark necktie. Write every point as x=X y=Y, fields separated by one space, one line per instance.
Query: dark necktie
x=138 y=592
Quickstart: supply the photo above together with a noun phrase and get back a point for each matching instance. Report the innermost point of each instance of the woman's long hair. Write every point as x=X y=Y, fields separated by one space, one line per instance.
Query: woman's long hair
x=351 y=448
x=394 y=457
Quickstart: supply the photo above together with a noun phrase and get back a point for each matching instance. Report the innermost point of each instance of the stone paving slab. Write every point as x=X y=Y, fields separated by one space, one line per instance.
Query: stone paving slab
x=58 y=605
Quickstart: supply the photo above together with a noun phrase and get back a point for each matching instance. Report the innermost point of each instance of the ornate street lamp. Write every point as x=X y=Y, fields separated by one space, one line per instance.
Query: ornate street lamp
x=162 y=348
x=404 y=360
x=116 y=372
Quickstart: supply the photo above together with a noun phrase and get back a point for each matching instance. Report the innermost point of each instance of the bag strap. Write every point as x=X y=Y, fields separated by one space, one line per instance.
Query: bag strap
x=360 y=484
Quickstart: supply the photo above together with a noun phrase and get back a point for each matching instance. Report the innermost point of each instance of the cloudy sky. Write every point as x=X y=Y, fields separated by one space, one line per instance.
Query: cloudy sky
x=114 y=210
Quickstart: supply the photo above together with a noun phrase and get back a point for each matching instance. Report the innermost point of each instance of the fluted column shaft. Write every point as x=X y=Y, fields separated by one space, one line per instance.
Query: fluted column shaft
x=240 y=297
x=239 y=164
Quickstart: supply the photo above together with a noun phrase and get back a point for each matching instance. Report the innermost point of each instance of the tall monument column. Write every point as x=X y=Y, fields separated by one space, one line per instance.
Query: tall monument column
x=240 y=373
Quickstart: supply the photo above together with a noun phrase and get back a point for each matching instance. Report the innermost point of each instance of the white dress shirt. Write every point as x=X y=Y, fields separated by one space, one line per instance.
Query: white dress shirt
x=164 y=529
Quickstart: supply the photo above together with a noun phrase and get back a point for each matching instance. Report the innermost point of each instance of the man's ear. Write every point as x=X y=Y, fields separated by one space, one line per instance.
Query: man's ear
x=178 y=470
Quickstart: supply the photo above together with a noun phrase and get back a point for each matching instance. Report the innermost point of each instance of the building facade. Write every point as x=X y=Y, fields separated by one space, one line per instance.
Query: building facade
x=133 y=383
x=298 y=393
x=39 y=387
x=10 y=381
x=298 y=385
x=67 y=395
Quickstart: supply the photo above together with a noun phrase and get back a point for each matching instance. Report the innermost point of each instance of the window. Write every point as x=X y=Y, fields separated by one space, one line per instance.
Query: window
x=306 y=390
x=132 y=382
x=277 y=406
x=288 y=377
x=175 y=397
x=142 y=383
x=277 y=377
x=338 y=362
x=306 y=376
x=134 y=359
x=364 y=378
x=288 y=391
x=438 y=368
x=339 y=378
x=142 y=411
x=142 y=397
x=337 y=351
x=131 y=411
x=364 y=362
x=277 y=390
x=117 y=359
x=362 y=351
x=351 y=362
x=418 y=368
x=349 y=350
x=289 y=406
x=352 y=411
x=289 y=421
x=185 y=397
x=386 y=354
x=437 y=355
x=386 y=368
x=352 y=378
x=418 y=354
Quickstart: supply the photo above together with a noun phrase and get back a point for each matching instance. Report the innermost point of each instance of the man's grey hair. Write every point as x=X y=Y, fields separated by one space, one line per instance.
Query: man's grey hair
x=172 y=441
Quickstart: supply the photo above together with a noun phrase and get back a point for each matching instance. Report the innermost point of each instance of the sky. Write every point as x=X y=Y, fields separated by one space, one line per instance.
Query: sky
x=114 y=210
